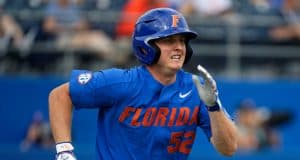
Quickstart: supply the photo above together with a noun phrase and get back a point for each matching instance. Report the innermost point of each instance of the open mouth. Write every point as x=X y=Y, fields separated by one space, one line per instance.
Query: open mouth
x=176 y=57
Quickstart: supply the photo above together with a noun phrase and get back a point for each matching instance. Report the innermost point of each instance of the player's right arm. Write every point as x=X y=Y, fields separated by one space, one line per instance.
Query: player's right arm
x=60 y=114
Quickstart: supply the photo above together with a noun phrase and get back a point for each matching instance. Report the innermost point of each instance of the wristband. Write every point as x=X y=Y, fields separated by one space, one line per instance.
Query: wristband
x=64 y=146
x=214 y=108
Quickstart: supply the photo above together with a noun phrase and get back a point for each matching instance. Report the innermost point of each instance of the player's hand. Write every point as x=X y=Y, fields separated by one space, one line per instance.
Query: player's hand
x=65 y=151
x=206 y=87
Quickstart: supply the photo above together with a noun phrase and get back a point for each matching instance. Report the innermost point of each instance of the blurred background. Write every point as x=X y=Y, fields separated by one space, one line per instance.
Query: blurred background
x=251 y=47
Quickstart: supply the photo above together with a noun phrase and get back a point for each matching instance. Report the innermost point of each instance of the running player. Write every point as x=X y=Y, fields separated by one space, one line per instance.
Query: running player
x=150 y=111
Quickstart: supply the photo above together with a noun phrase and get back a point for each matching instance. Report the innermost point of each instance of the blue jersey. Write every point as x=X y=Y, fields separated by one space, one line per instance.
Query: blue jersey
x=139 y=118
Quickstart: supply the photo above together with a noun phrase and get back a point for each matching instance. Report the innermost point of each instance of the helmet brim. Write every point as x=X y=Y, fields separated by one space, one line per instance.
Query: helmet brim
x=178 y=31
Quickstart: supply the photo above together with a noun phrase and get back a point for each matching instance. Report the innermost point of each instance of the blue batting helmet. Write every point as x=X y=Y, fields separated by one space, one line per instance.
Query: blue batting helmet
x=159 y=23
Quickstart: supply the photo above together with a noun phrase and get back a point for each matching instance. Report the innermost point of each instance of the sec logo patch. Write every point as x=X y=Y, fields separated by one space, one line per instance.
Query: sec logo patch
x=84 y=78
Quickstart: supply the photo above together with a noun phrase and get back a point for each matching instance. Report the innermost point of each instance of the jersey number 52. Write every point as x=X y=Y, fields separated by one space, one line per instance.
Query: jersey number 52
x=181 y=142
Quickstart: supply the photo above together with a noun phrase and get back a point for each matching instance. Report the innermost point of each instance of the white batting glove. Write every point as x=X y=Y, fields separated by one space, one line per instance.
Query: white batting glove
x=206 y=87
x=64 y=151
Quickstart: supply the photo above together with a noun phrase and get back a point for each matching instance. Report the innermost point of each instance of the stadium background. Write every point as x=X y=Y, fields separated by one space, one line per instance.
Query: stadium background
x=245 y=62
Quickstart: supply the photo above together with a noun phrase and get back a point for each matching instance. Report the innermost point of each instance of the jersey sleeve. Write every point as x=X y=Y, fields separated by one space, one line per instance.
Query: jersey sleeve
x=95 y=89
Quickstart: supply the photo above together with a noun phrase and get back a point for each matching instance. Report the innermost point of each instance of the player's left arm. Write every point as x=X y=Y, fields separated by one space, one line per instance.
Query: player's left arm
x=224 y=132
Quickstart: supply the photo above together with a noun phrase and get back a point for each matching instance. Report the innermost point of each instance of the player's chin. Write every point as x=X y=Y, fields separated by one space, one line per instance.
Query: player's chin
x=176 y=65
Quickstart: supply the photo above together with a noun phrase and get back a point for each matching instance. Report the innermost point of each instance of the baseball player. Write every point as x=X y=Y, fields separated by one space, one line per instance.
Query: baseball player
x=148 y=112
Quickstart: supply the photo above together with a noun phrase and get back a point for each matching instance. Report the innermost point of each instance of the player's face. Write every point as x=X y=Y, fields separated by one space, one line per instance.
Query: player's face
x=173 y=52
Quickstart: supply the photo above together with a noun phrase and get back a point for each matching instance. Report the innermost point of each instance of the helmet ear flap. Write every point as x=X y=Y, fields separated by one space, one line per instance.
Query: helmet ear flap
x=143 y=51
x=189 y=52
x=157 y=52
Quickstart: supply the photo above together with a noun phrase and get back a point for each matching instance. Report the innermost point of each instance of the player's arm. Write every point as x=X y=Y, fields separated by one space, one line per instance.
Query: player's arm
x=60 y=114
x=224 y=132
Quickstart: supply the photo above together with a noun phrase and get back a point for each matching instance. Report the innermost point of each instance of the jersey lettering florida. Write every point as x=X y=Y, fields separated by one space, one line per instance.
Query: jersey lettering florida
x=139 y=118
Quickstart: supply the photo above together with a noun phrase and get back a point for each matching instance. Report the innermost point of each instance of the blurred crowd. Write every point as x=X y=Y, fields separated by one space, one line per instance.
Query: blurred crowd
x=38 y=134
x=259 y=126
x=34 y=33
